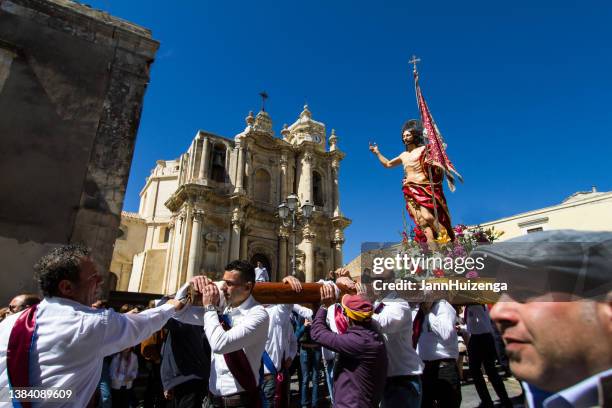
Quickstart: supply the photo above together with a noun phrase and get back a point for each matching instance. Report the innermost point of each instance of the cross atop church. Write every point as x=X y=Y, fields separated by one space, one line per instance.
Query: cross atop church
x=264 y=96
x=414 y=61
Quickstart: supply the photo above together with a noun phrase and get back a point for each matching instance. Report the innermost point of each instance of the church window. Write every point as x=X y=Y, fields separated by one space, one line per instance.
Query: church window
x=317 y=189
x=218 y=163
x=320 y=270
x=210 y=259
x=536 y=229
x=262 y=186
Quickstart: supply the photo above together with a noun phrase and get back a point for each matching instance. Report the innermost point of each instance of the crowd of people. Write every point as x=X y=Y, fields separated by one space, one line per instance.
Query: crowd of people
x=213 y=345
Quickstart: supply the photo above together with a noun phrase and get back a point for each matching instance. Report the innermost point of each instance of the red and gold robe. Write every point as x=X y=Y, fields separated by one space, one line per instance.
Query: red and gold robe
x=420 y=195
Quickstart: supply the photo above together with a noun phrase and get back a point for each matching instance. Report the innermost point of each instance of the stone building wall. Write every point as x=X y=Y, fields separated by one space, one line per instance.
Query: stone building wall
x=72 y=82
x=583 y=210
x=133 y=232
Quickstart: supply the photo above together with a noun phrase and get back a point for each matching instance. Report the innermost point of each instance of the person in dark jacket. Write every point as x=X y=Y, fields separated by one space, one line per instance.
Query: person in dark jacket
x=185 y=365
x=361 y=369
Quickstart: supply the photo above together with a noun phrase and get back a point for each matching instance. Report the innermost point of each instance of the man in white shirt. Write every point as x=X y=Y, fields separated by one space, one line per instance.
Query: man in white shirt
x=281 y=344
x=556 y=317
x=394 y=319
x=261 y=273
x=281 y=348
x=236 y=345
x=438 y=348
x=481 y=351
x=68 y=338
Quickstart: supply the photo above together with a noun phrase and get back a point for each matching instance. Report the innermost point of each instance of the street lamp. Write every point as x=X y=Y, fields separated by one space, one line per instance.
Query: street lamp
x=292 y=201
x=288 y=213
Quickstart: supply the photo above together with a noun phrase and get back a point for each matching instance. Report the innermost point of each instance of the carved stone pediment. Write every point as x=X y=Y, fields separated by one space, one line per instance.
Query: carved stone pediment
x=263 y=141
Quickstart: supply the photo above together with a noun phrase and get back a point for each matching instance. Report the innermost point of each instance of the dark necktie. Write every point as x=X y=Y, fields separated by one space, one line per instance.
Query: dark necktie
x=417 y=327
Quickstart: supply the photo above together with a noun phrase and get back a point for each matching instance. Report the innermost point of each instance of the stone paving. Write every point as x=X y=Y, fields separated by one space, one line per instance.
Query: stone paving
x=468 y=394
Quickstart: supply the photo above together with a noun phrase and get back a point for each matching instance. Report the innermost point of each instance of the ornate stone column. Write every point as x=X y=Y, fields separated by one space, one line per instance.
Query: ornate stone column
x=192 y=160
x=195 y=244
x=237 y=222
x=204 y=161
x=283 y=237
x=173 y=272
x=308 y=247
x=284 y=177
x=172 y=226
x=182 y=252
x=291 y=174
x=335 y=188
x=244 y=245
x=337 y=243
x=305 y=185
x=181 y=169
x=240 y=170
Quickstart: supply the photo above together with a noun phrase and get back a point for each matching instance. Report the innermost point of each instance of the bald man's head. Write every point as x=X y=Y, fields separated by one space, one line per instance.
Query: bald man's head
x=22 y=302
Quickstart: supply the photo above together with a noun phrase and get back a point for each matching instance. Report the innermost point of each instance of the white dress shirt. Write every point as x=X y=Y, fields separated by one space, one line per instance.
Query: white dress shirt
x=123 y=371
x=330 y=319
x=281 y=340
x=586 y=393
x=303 y=311
x=478 y=320
x=261 y=275
x=438 y=338
x=71 y=340
x=249 y=332
x=394 y=322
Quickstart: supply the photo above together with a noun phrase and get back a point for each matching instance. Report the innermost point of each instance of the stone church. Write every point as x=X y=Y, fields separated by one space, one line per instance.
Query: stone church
x=219 y=201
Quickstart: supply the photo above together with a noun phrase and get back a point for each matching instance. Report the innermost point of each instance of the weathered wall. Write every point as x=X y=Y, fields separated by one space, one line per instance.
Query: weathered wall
x=154 y=267
x=126 y=246
x=72 y=81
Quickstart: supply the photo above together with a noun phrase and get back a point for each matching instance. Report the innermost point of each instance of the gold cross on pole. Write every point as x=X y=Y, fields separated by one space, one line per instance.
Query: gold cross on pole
x=414 y=61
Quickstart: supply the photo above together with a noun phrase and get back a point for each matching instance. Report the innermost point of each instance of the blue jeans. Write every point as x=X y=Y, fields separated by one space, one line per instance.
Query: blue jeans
x=310 y=361
x=104 y=385
x=404 y=391
x=268 y=388
x=329 y=378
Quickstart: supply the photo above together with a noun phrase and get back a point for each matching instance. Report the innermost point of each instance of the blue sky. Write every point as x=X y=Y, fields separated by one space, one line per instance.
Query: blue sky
x=521 y=92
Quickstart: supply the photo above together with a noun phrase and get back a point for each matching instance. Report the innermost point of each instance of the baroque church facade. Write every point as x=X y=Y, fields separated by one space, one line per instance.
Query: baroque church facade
x=219 y=201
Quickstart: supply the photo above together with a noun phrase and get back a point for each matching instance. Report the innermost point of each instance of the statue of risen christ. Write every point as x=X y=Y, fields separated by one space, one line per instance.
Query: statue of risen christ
x=422 y=184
